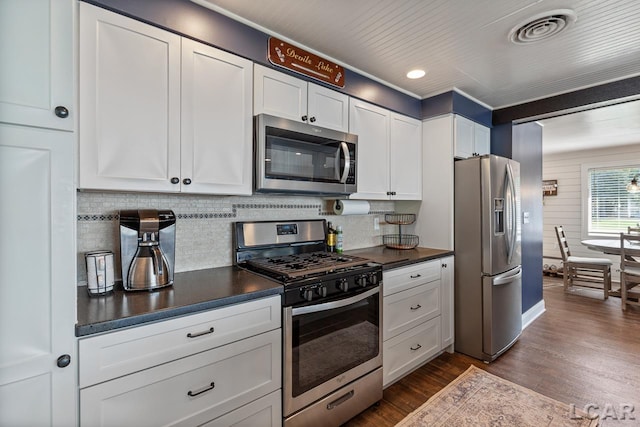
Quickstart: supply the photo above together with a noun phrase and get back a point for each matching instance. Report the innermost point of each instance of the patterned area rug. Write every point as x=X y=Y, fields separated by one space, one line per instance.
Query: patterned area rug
x=478 y=398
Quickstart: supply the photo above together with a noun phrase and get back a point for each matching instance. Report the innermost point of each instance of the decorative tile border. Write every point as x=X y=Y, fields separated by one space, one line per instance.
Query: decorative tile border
x=214 y=215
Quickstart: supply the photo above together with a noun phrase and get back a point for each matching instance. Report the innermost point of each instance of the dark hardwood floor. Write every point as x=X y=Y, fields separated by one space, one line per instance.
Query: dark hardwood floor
x=581 y=351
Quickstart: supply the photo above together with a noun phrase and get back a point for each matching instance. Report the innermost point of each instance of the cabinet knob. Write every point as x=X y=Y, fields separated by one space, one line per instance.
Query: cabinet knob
x=63 y=361
x=175 y=180
x=312 y=119
x=186 y=181
x=304 y=118
x=61 y=112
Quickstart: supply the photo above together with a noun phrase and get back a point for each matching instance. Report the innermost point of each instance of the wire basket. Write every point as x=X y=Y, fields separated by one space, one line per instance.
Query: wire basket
x=400 y=219
x=400 y=241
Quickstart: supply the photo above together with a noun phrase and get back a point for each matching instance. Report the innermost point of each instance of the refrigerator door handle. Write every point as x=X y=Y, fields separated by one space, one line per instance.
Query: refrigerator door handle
x=503 y=280
x=511 y=217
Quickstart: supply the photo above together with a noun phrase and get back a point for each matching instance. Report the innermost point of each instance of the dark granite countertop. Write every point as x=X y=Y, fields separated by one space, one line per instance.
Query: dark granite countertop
x=191 y=292
x=200 y=290
x=394 y=258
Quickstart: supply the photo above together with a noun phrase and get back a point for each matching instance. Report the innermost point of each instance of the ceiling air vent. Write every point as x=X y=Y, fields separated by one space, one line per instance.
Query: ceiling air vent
x=542 y=26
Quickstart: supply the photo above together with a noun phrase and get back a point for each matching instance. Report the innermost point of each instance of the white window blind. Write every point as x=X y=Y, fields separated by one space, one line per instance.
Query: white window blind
x=611 y=208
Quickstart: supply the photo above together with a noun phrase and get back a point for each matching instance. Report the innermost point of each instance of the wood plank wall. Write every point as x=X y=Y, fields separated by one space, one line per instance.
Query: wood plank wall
x=566 y=208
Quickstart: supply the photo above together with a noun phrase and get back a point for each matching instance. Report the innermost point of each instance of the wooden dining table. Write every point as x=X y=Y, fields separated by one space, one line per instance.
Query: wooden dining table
x=612 y=246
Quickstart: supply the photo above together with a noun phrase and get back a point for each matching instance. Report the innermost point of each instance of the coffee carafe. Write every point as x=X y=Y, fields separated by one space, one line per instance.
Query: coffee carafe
x=147 y=248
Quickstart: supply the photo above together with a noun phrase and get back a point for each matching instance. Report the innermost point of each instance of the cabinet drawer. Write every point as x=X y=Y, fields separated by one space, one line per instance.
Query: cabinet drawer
x=407 y=309
x=264 y=412
x=403 y=278
x=405 y=352
x=115 y=354
x=201 y=387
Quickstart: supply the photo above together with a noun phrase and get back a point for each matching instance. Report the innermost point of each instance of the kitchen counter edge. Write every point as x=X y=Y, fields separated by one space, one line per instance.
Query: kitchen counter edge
x=396 y=258
x=192 y=292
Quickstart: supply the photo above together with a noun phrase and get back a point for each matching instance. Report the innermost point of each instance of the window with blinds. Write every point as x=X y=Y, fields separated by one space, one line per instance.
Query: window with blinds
x=611 y=208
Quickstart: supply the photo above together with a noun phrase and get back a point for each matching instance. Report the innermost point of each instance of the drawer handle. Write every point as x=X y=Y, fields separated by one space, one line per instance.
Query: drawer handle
x=340 y=400
x=199 y=334
x=417 y=347
x=204 y=390
x=415 y=276
x=415 y=307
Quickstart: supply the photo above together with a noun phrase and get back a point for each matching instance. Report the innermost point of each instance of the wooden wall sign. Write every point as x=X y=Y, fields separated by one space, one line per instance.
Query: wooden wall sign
x=550 y=187
x=299 y=60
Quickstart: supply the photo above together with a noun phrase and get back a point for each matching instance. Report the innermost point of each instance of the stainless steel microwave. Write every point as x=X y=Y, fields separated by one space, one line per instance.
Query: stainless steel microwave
x=294 y=157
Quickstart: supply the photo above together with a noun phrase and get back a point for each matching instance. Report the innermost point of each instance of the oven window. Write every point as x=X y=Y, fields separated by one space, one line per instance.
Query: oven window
x=288 y=158
x=329 y=343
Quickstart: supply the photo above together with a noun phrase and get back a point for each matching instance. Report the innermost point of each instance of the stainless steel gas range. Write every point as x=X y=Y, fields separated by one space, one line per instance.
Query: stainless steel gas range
x=332 y=340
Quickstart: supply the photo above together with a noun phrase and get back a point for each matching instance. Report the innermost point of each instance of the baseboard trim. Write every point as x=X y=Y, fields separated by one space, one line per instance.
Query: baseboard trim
x=532 y=314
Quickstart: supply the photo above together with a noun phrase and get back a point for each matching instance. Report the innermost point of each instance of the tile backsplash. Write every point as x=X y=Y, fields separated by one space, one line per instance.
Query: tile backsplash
x=204 y=222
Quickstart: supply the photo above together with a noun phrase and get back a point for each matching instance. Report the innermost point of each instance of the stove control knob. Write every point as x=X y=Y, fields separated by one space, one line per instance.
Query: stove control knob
x=343 y=284
x=307 y=294
x=373 y=278
x=321 y=290
x=362 y=281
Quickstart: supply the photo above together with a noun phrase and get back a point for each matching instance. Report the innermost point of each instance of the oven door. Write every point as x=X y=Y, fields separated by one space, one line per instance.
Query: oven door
x=297 y=157
x=328 y=345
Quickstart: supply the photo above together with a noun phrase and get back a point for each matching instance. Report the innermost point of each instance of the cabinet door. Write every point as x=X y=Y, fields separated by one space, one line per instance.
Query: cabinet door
x=328 y=108
x=463 y=137
x=446 y=293
x=37 y=277
x=481 y=139
x=279 y=94
x=217 y=131
x=36 y=53
x=130 y=101
x=405 y=158
x=371 y=124
x=434 y=222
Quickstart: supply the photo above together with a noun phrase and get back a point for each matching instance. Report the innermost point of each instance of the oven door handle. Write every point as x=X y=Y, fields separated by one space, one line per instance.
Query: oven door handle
x=334 y=304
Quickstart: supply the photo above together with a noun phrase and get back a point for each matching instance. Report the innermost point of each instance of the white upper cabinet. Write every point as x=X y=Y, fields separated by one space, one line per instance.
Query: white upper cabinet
x=328 y=108
x=156 y=116
x=130 y=103
x=36 y=53
x=371 y=123
x=217 y=128
x=405 y=158
x=282 y=95
x=389 y=153
x=471 y=138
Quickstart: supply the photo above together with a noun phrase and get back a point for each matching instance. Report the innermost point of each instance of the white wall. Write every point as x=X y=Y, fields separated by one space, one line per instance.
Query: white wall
x=565 y=208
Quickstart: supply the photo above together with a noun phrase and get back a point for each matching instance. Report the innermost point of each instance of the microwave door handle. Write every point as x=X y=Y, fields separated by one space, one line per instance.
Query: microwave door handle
x=347 y=162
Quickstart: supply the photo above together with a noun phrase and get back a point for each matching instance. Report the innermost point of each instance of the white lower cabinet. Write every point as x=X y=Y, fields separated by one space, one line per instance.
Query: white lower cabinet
x=405 y=352
x=235 y=380
x=417 y=307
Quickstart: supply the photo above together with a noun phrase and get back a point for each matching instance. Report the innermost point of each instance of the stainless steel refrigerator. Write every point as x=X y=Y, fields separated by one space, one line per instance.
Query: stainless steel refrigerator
x=488 y=275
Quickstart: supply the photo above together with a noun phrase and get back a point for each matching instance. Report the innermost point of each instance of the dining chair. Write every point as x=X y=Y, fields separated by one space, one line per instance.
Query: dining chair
x=583 y=272
x=629 y=272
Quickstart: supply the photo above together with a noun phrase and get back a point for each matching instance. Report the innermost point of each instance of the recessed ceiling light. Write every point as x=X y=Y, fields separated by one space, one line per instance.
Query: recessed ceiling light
x=416 y=74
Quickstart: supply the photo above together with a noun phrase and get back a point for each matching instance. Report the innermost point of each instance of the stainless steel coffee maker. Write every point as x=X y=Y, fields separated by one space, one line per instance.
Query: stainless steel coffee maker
x=147 y=248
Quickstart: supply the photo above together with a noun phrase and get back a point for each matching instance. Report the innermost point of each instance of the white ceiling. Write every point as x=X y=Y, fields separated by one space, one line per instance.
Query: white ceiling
x=611 y=126
x=464 y=44
x=460 y=43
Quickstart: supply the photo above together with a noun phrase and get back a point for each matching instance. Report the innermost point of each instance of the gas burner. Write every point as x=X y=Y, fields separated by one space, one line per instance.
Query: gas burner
x=291 y=267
